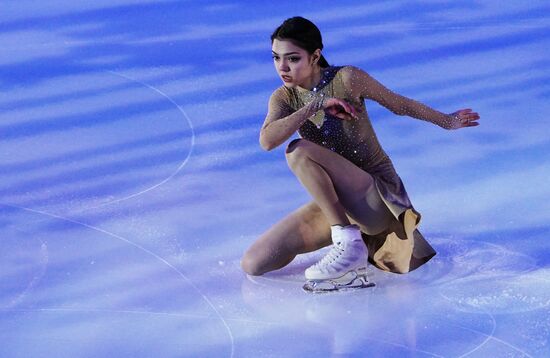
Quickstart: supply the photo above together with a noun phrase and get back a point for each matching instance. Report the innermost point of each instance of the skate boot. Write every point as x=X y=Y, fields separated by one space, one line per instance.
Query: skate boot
x=344 y=266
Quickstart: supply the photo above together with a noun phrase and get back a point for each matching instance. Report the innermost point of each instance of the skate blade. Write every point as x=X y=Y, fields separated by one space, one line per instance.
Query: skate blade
x=350 y=281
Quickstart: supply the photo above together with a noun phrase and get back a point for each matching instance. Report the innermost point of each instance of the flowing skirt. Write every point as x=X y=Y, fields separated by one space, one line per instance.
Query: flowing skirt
x=400 y=248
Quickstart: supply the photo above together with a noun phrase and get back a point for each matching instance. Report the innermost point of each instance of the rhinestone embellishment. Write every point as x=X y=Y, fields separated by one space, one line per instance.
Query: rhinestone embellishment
x=318 y=118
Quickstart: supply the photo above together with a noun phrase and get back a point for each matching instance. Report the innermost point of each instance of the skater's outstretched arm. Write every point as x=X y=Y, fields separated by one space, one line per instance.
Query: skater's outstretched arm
x=363 y=85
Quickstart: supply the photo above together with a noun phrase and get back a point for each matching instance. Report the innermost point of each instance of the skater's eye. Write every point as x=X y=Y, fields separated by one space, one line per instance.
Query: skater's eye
x=292 y=59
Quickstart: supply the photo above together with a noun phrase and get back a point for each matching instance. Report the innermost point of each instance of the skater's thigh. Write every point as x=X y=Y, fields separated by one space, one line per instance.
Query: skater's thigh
x=354 y=186
x=303 y=230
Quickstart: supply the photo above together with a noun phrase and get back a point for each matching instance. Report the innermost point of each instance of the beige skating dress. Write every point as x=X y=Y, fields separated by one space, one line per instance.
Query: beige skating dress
x=401 y=247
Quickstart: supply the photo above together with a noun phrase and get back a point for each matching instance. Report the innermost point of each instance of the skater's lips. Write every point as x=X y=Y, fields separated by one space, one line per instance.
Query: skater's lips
x=286 y=78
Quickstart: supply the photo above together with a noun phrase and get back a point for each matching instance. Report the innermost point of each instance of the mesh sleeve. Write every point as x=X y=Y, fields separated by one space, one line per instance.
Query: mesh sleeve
x=277 y=107
x=363 y=85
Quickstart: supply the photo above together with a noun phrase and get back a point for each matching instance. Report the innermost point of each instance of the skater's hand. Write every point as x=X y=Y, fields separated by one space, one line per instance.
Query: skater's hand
x=339 y=108
x=464 y=118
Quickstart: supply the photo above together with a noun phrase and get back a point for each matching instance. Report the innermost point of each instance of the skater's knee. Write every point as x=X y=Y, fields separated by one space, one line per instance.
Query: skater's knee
x=292 y=145
x=296 y=152
x=251 y=265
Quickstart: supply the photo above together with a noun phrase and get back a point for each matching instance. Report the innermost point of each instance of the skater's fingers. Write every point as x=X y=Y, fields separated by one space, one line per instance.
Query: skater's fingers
x=344 y=116
x=349 y=109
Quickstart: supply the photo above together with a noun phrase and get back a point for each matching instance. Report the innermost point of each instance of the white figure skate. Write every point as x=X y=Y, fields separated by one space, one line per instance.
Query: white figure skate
x=344 y=266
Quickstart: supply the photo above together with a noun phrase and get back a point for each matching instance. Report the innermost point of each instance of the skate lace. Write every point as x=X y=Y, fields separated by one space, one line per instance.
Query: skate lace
x=336 y=251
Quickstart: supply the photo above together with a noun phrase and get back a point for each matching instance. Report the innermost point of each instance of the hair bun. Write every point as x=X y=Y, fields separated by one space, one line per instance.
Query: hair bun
x=302 y=33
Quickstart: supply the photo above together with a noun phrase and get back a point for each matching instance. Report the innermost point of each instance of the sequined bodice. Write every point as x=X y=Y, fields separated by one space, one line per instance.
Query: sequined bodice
x=354 y=139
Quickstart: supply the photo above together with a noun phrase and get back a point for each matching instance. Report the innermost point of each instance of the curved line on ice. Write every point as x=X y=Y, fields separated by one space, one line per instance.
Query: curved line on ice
x=228 y=329
x=36 y=279
x=178 y=169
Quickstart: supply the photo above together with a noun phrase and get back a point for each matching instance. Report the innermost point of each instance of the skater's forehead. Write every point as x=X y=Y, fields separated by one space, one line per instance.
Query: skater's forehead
x=285 y=48
x=285 y=54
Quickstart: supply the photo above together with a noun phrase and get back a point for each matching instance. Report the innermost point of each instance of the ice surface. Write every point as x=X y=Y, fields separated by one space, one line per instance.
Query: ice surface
x=132 y=181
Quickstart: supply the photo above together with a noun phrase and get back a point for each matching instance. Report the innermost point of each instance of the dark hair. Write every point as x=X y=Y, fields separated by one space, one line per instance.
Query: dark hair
x=302 y=33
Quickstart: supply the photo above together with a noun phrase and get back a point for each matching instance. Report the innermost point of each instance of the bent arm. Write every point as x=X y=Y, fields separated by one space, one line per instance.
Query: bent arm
x=365 y=86
x=280 y=123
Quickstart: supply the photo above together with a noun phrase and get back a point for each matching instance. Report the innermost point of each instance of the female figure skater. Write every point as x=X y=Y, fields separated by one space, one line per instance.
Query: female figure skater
x=360 y=204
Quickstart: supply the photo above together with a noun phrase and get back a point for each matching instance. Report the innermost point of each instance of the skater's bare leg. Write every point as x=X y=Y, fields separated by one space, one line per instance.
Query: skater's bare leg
x=342 y=190
x=340 y=185
x=305 y=229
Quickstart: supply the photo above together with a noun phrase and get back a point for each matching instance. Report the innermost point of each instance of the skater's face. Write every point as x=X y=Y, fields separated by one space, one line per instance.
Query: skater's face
x=293 y=64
